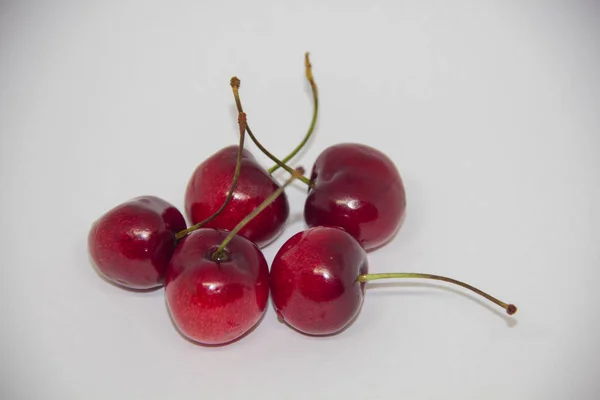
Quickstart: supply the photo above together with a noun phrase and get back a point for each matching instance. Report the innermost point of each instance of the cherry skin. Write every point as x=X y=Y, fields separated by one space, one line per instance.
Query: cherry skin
x=131 y=245
x=358 y=189
x=210 y=183
x=216 y=302
x=313 y=280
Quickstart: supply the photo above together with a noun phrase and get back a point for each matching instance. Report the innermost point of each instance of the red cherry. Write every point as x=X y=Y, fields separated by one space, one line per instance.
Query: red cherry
x=358 y=189
x=215 y=302
x=318 y=281
x=131 y=245
x=210 y=184
x=313 y=280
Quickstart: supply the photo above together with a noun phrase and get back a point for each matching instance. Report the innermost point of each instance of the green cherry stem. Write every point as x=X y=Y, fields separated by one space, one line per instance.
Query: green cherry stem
x=510 y=308
x=236 y=174
x=218 y=254
x=313 y=122
x=235 y=86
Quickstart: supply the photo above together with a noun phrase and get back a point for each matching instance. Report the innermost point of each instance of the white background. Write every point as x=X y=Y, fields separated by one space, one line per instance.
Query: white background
x=489 y=109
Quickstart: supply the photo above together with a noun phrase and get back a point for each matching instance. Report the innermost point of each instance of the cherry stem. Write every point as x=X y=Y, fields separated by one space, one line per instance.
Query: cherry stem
x=235 y=86
x=218 y=254
x=510 y=308
x=313 y=122
x=236 y=175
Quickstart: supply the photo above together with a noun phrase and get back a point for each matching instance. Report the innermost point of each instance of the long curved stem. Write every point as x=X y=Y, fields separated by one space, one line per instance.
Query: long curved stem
x=236 y=174
x=510 y=308
x=218 y=254
x=313 y=122
x=235 y=85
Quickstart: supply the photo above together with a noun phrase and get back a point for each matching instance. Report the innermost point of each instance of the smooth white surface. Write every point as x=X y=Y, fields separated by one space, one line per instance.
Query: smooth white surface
x=489 y=109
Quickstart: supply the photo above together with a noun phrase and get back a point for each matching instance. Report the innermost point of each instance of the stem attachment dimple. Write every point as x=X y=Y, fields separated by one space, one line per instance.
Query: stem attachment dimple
x=218 y=254
x=235 y=85
x=510 y=308
x=242 y=120
x=313 y=122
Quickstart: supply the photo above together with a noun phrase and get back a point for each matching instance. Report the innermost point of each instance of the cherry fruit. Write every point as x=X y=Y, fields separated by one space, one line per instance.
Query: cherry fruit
x=216 y=301
x=318 y=278
x=131 y=245
x=217 y=283
x=207 y=189
x=313 y=280
x=358 y=189
x=210 y=184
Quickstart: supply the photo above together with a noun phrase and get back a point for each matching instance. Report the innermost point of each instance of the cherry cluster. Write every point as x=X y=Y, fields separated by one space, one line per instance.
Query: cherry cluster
x=217 y=281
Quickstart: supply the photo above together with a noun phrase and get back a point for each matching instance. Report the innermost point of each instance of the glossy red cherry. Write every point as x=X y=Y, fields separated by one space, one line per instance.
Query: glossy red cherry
x=313 y=280
x=131 y=245
x=318 y=281
x=358 y=189
x=210 y=184
x=216 y=302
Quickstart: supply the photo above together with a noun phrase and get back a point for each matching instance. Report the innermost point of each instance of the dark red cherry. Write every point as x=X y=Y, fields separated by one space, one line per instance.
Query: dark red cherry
x=215 y=302
x=318 y=278
x=313 y=280
x=131 y=245
x=210 y=184
x=358 y=189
